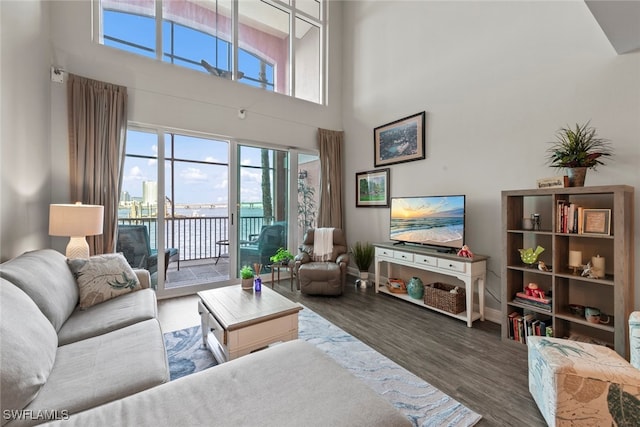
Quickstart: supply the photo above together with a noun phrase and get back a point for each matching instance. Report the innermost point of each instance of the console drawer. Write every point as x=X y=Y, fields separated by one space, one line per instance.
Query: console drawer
x=426 y=260
x=217 y=330
x=382 y=252
x=452 y=265
x=405 y=256
x=211 y=325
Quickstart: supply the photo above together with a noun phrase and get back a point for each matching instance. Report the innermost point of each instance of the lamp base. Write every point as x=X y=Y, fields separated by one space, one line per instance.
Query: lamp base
x=77 y=248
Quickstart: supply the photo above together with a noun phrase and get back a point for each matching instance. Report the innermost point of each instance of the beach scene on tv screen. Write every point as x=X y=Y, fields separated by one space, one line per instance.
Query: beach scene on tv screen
x=428 y=220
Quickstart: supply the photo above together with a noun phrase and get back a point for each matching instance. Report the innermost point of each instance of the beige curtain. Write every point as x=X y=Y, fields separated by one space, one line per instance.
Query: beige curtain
x=330 y=142
x=97 y=135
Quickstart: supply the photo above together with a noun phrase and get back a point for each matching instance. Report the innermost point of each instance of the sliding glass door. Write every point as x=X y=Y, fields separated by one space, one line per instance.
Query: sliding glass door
x=262 y=204
x=197 y=208
x=182 y=221
x=209 y=206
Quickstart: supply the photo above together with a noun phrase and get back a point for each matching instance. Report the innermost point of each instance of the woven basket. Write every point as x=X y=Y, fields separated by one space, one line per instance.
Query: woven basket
x=437 y=295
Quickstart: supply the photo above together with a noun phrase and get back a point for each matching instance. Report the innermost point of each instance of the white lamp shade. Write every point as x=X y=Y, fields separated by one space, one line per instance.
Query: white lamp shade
x=76 y=221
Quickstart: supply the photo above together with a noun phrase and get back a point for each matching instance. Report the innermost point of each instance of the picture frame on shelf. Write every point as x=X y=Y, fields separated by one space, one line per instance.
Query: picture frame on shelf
x=400 y=141
x=372 y=189
x=596 y=222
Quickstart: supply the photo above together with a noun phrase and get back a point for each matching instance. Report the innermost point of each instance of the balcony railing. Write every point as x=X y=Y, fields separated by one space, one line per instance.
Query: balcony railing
x=196 y=237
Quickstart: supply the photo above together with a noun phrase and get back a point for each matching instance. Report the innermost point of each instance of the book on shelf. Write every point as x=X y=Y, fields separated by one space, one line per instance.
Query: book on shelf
x=538 y=305
x=537 y=302
x=569 y=217
x=513 y=315
x=523 y=325
x=544 y=300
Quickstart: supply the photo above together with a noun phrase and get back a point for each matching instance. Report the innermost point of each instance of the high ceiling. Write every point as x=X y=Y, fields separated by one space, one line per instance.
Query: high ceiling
x=620 y=21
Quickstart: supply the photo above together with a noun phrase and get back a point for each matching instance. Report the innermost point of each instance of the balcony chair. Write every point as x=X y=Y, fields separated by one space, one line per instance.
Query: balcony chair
x=577 y=383
x=134 y=243
x=322 y=277
x=271 y=238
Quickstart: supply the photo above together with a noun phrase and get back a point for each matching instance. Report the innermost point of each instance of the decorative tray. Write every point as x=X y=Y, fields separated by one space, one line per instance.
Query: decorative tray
x=396 y=286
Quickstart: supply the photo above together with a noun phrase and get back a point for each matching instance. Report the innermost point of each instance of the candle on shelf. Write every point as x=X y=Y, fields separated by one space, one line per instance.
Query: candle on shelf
x=575 y=260
x=597 y=266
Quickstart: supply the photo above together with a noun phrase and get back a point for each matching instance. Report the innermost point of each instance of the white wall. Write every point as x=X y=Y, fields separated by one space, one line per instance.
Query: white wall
x=497 y=79
x=24 y=127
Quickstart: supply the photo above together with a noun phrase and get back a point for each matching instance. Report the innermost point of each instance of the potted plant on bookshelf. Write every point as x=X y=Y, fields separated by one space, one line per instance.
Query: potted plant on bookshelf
x=246 y=274
x=578 y=149
x=363 y=256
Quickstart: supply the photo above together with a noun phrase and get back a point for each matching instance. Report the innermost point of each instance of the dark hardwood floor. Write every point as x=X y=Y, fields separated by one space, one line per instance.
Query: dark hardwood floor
x=471 y=365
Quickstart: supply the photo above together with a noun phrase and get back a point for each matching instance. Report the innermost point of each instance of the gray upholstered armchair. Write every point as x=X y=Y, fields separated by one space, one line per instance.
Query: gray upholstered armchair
x=322 y=277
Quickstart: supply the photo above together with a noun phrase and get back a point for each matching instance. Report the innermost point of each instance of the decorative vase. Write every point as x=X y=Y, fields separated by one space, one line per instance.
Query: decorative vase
x=576 y=176
x=415 y=288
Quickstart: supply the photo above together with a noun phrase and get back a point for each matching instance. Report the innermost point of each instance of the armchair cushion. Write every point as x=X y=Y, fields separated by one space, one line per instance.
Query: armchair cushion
x=103 y=277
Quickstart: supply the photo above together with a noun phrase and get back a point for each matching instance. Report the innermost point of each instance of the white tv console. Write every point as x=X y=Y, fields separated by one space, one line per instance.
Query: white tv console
x=469 y=271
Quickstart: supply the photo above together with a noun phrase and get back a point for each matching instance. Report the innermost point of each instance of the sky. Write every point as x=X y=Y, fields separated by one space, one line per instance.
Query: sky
x=195 y=182
x=422 y=207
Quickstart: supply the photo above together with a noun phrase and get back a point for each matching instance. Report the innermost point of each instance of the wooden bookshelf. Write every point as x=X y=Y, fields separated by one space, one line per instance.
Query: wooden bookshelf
x=612 y=294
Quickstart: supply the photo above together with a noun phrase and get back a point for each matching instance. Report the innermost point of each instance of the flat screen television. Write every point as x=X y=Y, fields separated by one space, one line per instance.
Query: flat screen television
x=437 y=221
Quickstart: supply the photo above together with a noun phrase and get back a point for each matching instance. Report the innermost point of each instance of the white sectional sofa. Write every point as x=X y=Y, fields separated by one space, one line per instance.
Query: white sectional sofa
x=107 y=366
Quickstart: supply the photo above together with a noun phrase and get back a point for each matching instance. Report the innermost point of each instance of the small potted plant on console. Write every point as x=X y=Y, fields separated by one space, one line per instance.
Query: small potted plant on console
x=246 y=274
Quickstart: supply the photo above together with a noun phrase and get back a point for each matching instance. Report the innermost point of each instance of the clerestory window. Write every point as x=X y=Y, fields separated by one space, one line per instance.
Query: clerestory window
x=249 y=41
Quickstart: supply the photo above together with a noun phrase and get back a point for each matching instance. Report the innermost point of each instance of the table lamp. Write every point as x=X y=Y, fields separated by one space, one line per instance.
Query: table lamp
x=76 y=221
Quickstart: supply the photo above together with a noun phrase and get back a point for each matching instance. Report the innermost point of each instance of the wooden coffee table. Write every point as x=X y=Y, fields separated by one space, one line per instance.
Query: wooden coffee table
x=236 y=322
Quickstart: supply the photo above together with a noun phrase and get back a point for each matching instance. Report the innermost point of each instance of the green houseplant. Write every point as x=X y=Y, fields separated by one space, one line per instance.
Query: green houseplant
x=363 y=254
x=246 y=274
x=578 y=149
x=282 y=256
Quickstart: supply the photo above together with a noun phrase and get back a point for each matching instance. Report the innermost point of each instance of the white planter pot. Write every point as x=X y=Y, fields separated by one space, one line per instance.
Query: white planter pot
x=363 y=282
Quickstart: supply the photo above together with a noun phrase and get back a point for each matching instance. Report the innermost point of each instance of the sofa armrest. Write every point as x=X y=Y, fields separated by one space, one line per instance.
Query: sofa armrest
x=144 y=277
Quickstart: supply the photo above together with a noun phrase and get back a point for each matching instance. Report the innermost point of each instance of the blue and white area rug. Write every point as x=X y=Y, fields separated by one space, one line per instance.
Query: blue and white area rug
x=186 y=352
x=422 y=403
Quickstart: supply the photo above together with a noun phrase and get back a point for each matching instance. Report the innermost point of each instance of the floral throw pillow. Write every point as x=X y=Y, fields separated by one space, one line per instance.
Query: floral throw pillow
x=103 y=277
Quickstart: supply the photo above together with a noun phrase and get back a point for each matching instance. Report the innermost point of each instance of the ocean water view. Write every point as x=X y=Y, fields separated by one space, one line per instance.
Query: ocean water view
x=431 y=229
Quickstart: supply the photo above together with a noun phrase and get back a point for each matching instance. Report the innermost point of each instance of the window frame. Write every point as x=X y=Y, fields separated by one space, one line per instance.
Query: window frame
x=289 y=7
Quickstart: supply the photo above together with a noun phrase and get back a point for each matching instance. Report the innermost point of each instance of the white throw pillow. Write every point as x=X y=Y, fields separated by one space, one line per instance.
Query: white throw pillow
x=103 y=277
